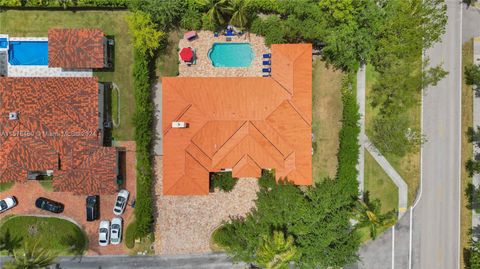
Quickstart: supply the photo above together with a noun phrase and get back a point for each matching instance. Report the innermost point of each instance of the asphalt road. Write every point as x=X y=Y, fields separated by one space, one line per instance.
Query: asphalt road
x=436 y=216
x=205 y=261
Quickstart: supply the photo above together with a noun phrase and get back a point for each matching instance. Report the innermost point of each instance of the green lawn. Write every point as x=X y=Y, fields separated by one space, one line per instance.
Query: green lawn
x=467 y=121
x=408 y=166
x=167 y=61
x=36 y=24
x=51 y=233
x=6 y=186
x=379 y=185
x=326 y=122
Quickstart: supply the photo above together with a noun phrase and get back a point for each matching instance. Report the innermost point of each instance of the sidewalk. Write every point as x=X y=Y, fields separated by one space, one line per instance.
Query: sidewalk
x=381 y=160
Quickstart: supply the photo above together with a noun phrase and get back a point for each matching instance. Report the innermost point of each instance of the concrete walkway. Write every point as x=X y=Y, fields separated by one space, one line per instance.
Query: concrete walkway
x=362 y=137
x=381 y=160
x=392 y=173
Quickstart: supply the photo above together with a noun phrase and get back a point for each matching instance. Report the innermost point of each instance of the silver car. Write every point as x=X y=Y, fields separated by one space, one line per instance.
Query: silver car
x=121 y=202
x=104 y=233
x=116 y=231
x=7 y=203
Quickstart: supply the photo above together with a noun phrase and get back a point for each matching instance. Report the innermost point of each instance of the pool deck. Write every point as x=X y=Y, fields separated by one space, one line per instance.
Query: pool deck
x=204 y=67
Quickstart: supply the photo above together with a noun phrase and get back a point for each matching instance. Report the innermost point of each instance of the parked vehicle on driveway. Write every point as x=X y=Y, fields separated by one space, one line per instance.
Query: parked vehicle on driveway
x=116 y=231
x=121 y=202
x=7 y=203
x=49 y=205
x=93 y=207
x=104 y=233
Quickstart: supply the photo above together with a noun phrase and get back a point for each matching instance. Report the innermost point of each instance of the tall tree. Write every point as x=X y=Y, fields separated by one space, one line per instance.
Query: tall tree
x=31 y=256
x=218 y=11
x=146 y=36
x=241 y=13
x=369 y=215
x=276 y=251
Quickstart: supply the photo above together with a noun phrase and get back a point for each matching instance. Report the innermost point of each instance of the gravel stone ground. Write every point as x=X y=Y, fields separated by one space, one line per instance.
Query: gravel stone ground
x=184 y=224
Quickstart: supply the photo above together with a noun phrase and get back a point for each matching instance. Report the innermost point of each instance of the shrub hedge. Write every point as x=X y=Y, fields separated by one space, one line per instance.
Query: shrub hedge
x=348 y=149
x=143 y=120
x=65 y=3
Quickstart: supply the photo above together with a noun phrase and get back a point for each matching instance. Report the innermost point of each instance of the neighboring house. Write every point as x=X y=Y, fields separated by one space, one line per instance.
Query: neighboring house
x=55 y=125
x=51 y=126
x=239 y=124
x=79 y=49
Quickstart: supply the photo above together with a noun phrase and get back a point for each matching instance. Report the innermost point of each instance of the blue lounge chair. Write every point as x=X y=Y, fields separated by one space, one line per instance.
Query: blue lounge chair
x=267 y=70
x=267 y=62
x=215 y=34
x=230 y=33
x=267 y=55
x=266 y=75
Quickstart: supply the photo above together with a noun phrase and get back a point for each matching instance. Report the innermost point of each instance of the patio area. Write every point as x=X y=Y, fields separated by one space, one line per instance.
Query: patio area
x=203 y=66
x=184 y=224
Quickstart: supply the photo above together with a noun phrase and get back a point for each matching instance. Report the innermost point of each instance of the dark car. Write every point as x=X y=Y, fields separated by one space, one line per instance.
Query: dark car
x=93 y=208
x=49 y=205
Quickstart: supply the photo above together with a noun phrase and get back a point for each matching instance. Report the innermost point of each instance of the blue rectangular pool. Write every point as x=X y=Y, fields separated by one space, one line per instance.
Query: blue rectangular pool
x=3 y=43
x=28 y=53
x=231 y=54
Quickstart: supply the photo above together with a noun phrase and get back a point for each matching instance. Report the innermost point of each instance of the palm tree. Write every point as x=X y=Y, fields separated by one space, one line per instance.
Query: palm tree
x=218 y=10
x=9 y=242
x=369 y=215
x=241 y=13
x=31 y=257
x=276 y=251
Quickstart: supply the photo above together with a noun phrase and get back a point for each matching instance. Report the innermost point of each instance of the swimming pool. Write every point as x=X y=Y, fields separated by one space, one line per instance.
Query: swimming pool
x=28 y=53
x=3 y=43
x=231 y=54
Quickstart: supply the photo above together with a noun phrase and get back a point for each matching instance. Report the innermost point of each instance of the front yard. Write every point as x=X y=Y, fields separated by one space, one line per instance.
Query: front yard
x=407 y=166
x=50 y=233
x=36 y=24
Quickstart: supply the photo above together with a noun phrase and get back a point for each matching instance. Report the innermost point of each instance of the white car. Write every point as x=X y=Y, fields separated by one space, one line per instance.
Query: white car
x=7 y=203
x=104 y=233
x=116 y=231
x=121 y=202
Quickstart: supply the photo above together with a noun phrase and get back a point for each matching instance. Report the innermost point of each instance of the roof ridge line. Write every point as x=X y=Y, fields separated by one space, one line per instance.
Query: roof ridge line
x=169 y=127
x=267 y=139
x=226 y=141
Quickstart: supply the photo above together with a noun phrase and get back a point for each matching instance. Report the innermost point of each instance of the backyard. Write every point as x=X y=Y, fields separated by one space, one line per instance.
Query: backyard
x=326 y=123
x=36 y=24
x=407 y=166
x=50 y=233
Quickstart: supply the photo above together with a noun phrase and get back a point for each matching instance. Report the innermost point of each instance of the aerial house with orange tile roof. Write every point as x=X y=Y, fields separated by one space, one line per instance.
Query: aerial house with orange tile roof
x=239 y=124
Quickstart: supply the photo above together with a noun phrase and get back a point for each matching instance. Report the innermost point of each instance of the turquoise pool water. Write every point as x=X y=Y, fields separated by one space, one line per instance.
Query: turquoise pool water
x=28 y=53
x=231 y=54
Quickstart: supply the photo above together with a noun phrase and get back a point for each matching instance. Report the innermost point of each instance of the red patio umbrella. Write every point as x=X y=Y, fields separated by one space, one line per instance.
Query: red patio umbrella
x=186 y=54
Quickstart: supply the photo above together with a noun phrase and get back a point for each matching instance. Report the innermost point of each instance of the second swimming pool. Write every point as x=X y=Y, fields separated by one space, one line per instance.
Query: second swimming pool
x=28 y=53
x=231 y=54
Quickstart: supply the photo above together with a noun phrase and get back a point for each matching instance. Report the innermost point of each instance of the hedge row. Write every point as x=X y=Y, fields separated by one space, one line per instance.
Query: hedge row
x=348 y=150
x=65 y=3
x=143 y=120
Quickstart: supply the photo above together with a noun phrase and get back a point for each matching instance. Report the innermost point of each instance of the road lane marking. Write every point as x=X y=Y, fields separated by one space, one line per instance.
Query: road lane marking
x=393 y=247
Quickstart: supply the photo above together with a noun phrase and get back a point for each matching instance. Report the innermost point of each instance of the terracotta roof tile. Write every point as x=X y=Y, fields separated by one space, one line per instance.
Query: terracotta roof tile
x=56 y=130
x=76 y=48
x=244 y=124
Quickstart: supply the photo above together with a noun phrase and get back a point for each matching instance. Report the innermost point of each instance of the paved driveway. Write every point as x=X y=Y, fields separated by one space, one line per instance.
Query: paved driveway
x=26 y=194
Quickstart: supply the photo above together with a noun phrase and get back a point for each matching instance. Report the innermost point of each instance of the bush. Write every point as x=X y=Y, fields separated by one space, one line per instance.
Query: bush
x=65 y=3
x=192 y=19
x=143 y=119
x=267 y=180
x=348 y=148
x=223 y=180
x=130 y=235
x=271 y=28
x=147 y=38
